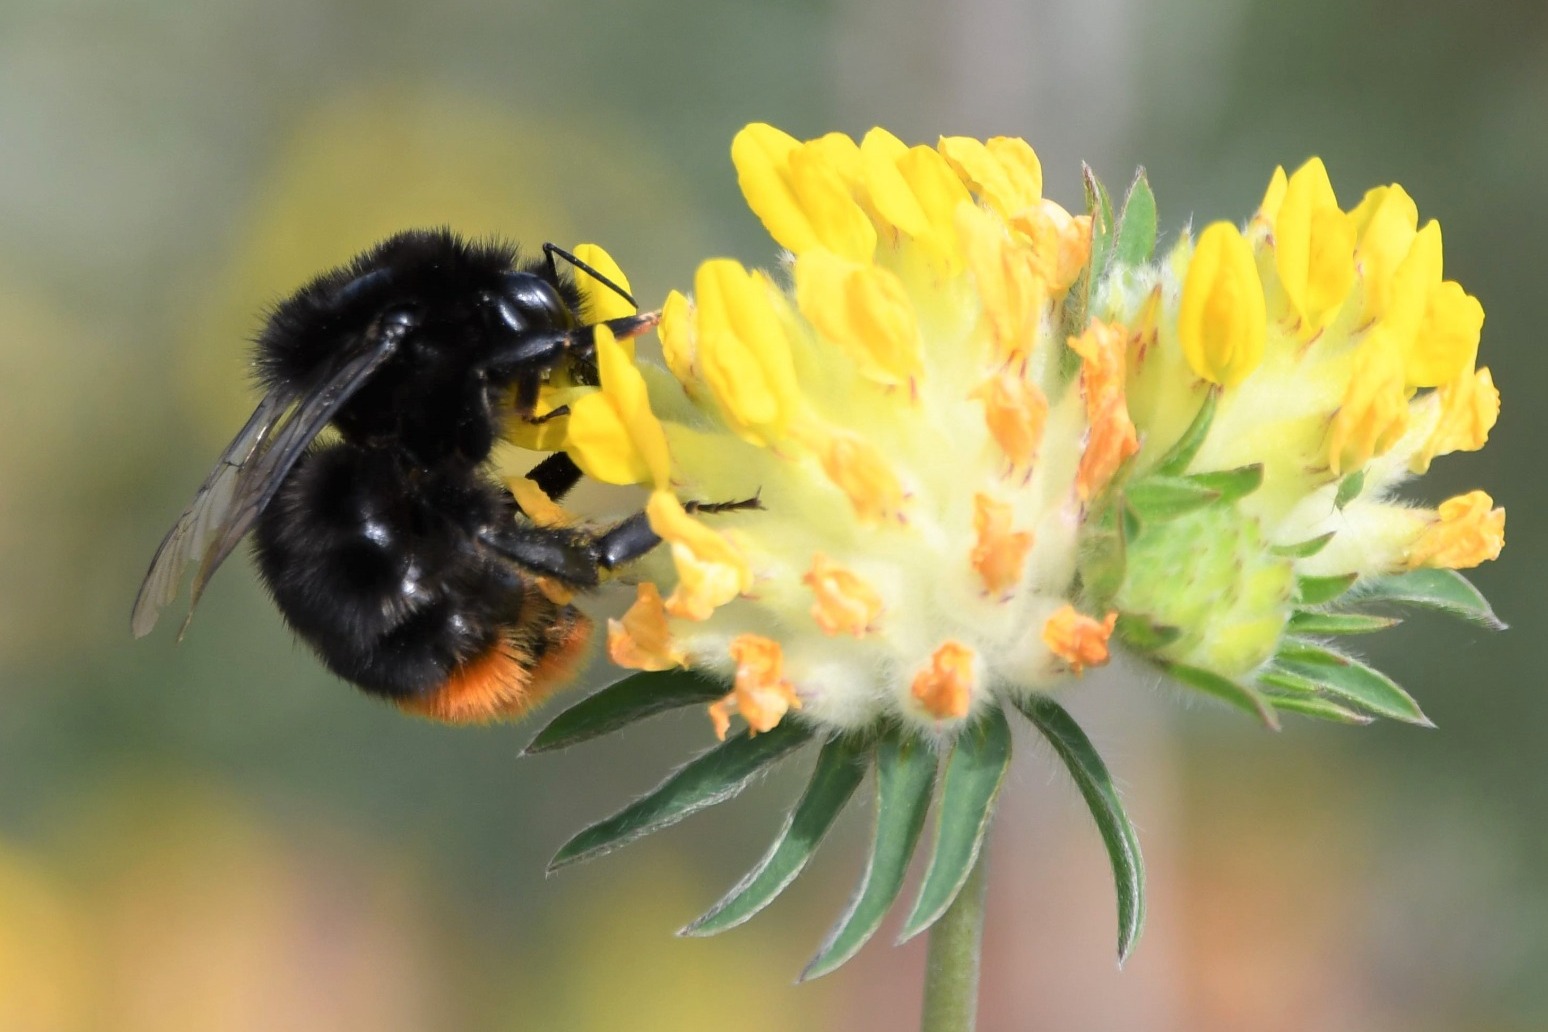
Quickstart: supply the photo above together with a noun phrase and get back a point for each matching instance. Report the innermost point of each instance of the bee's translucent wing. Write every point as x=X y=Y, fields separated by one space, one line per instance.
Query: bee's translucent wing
x=189 y=536
x=248 y=474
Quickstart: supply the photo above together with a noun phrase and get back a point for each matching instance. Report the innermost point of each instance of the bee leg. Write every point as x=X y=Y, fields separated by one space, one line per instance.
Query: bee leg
x=567 y=555
x=555 y=475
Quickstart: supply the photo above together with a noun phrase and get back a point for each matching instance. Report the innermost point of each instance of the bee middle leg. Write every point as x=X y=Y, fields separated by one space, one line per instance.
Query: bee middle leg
x=575 y=556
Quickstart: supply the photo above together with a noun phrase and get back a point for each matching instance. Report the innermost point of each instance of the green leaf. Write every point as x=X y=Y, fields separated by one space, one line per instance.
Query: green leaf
x=1318 y=708
x=1317 y=591
x=905 y=774
x=1177 y=459
x=839 y=770
x=707 y=779
x=974 y=772
x=1347 y=678
x=1306 y=622
x=1282 y=681
x=1349 y=489
x=1096 y=785
x=1141 y=635
x=1304 y=549
x=617 y=705
x=1136 y=232
x=1446 y=590
x=1231 y=483
x=1160 y=498
x=1243 y=697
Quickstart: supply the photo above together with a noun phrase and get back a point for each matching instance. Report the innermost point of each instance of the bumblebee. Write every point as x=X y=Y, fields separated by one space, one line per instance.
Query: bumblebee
x=391 y=549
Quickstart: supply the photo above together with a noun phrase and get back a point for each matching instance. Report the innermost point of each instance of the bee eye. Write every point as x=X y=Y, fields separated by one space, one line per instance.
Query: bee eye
x=530 y=302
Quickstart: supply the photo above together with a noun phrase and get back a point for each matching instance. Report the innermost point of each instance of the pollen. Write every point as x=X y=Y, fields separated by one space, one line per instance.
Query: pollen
x=944 y=688
x=1078 y=639
x=761 y=694
x=1000 y=552
x=1015 y=413
x=1113 y=437
x=844 y=604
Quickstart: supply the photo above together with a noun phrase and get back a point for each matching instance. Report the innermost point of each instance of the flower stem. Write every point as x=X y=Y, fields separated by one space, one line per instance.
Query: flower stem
x=951 y=968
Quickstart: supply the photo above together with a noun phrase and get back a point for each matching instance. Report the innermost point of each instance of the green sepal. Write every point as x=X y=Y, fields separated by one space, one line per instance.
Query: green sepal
x=1243 y=697
x=975 y=770
x=709 y=778
x=1318 y=591
x=1347 y=678
x=1304 y=621
x=1445 y=590
x=1099 y=203
x=1318 y=708
x=1104 y=555
x=1096 y=786
x=1135 y=236
x=1161 y=498
x=905 y=775
x=618 y=705
x=839 y=769
x=1177 y=458
x=1304 y=549
x=1077 y=303
x=1349 y=489
x=1141 y=635
x=1231 y=484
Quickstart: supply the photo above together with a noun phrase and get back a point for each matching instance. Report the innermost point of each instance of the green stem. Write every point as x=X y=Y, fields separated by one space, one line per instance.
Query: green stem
x=951 y=969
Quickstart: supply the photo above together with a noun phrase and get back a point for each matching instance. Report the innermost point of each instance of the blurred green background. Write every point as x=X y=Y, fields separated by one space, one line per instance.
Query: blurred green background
x=218 y=836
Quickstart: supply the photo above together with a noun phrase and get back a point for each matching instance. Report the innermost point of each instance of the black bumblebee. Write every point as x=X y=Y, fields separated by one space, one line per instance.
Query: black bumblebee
x=392 y=550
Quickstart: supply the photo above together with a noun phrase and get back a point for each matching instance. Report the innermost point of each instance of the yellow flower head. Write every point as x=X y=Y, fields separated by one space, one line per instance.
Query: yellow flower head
x=965 y=446
x=965 y=434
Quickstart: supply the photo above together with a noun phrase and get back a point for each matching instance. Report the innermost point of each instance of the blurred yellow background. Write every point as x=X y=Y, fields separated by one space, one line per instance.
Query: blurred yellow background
x=219 y=836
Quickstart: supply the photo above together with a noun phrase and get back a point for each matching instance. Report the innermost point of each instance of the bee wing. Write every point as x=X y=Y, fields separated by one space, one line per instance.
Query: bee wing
x=245 y=479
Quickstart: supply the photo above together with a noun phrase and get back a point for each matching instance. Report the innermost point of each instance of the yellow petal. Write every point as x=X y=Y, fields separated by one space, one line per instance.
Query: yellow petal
x=1470 y=406
x=1007 y=177
x=1313 y=248
x=1374 y=410
x=1385 y=223
x=679 y=345
x=1468 y=531
x=1273 y=197
x=743 y=353
x=711 y=571
x=598 y=301
x=890 y=193
x=864 y=311
x=1011 y=289
x=1445 y=345
x=613 y=435
x=1221 y=320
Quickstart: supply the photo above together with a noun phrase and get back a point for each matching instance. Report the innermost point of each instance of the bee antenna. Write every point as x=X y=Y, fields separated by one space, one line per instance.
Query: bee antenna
x=550 y=250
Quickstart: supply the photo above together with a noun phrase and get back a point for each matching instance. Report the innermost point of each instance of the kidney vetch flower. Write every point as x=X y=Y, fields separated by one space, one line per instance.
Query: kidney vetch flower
x=992 y=442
